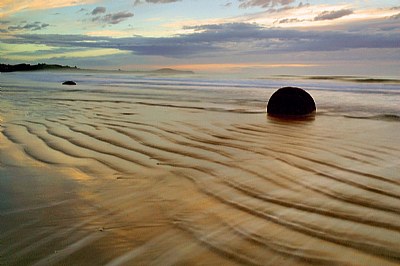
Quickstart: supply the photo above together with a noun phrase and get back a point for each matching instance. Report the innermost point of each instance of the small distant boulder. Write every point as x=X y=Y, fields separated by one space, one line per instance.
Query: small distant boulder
x=69 y=82
x=291 y=101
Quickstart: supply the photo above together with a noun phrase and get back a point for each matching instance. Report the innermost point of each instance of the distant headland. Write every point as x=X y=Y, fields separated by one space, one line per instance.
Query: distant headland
x=171 y=71
x=29 y=67
x=43 y=66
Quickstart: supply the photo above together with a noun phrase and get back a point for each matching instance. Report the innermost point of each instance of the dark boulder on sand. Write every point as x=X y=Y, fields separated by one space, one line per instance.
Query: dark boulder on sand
x=69 y=82
x=291 y=101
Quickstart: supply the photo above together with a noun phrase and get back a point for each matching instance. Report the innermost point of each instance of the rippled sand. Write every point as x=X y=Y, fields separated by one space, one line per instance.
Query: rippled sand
x=153 y=178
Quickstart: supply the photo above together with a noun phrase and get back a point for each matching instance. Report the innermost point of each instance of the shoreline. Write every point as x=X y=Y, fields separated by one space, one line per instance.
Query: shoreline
x=140 y=174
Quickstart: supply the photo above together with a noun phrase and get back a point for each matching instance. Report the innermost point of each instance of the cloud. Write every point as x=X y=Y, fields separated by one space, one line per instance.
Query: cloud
x=329 y=15
x=114 y=18
x=117 y=17
x=395 y=16
x=229 y=4
x=287 y=8
x=224 y=40
x=98 y=10
x=289 y=20
x=161 y=1
x=138 y=2
x=264 y=3
x=34 y=26
x=9 y=7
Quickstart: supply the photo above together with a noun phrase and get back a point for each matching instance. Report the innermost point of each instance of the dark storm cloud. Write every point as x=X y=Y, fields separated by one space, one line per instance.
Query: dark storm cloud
x=330 y=15
x=263 y=3
x=35 y=26
x=290 y=40
x=98 y=10
x=224 y=39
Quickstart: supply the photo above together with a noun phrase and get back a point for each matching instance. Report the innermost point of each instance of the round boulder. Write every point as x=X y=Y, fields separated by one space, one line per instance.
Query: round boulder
x=69 y=82
x=291 y=101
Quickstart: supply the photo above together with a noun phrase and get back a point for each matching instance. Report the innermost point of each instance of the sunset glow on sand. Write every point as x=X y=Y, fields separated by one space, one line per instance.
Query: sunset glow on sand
x=200 y=132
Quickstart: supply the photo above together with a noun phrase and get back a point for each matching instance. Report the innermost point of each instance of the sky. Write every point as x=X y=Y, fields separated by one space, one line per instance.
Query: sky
x=260 y=37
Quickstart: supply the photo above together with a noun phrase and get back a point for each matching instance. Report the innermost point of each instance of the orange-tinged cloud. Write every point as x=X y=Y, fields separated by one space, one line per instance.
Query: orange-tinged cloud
x=8 y=7
x=300 y=17
x=305 y=16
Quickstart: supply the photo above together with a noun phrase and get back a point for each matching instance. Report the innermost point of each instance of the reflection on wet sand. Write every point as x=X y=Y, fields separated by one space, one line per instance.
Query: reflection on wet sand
x=117 y=180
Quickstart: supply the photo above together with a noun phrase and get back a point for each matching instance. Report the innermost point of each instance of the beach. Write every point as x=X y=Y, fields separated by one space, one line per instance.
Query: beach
x=163 y=170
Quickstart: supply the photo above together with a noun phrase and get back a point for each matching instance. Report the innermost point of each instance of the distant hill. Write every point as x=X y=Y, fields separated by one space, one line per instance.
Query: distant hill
x=171 y=71
x=29 y=67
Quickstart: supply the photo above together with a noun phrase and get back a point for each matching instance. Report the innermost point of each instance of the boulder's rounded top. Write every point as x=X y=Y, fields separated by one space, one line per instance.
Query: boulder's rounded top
x=291 y=101
x=69 y=82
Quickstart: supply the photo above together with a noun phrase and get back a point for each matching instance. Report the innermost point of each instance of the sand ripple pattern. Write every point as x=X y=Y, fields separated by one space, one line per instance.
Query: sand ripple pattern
x=230 y=185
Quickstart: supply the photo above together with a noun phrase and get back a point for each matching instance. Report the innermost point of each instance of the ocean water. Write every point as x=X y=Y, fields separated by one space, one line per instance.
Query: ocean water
x=373 y=100
x=129 y=169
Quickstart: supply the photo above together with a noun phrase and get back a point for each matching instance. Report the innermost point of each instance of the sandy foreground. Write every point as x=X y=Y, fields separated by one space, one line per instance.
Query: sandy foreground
x=88 y=179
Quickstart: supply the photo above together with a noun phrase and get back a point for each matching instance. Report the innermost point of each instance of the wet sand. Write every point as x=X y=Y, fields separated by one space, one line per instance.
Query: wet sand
x=151 y=178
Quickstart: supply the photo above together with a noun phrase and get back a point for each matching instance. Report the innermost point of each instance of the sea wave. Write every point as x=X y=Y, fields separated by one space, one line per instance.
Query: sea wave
x=382 y=117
